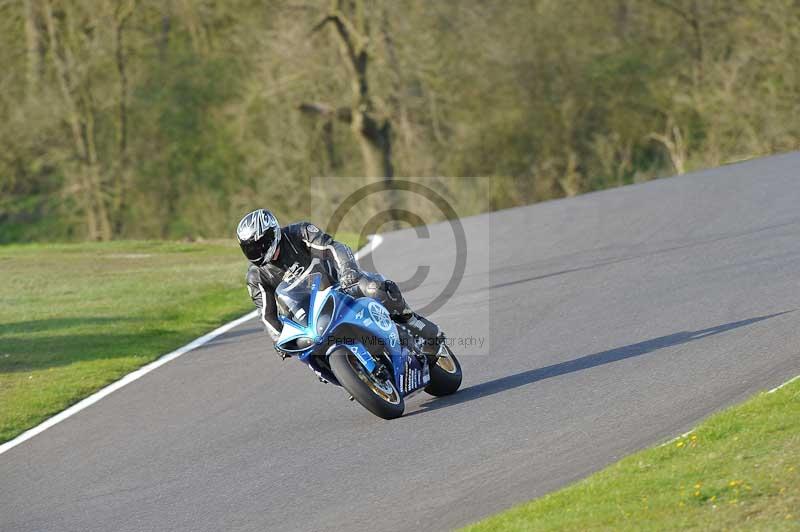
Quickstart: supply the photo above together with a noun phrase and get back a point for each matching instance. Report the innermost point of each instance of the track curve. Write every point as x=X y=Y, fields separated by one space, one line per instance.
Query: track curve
x=610 y=321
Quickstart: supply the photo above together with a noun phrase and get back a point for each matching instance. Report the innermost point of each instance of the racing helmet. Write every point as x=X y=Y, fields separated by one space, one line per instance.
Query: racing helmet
x=259 y=234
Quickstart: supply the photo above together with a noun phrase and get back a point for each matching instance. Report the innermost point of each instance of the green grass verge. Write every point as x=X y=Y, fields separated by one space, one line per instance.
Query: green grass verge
x=76 y=317
x=738 y=469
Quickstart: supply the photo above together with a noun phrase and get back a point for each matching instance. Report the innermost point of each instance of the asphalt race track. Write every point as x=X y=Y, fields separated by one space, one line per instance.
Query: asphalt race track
x=610 y=322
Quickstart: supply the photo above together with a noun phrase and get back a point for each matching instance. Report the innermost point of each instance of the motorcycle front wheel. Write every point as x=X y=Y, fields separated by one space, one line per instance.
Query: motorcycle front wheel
x=445 y=373
x=376 y=394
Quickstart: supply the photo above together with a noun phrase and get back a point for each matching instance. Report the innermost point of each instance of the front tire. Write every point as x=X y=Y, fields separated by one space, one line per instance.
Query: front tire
x=445 y=373
x=379 y=397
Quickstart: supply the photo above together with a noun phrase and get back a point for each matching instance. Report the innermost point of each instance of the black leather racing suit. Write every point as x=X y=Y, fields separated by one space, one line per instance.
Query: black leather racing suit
x=300 y=244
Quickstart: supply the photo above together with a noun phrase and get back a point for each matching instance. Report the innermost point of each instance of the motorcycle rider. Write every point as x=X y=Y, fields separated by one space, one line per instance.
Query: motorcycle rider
x=273 y=250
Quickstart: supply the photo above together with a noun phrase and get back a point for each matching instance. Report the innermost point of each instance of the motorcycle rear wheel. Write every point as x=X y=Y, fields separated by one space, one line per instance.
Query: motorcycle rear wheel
x=376 y=395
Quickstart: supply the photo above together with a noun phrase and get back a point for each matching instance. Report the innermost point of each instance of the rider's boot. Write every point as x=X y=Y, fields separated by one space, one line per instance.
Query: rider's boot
x=423 y=328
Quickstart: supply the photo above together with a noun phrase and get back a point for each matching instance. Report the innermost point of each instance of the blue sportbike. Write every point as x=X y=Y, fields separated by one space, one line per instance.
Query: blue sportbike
x=353 y=343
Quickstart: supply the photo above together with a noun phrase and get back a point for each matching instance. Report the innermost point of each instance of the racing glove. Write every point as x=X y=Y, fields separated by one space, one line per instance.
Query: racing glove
x=349 y=278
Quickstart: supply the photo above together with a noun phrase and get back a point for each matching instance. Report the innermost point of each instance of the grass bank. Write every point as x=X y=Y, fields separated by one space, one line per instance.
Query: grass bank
x=740 y=469
x=76 y=317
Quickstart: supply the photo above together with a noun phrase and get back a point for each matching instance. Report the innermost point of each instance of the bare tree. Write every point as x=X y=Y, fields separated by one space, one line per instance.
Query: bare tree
x=372 y=130
x=673 y=142
x=79 y=106
x=122 y=14
x=691 y=14
x=35 y=44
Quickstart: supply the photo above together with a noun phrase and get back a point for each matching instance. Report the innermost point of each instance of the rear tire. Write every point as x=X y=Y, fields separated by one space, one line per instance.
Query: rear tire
x=445 y=374
x=379 y=397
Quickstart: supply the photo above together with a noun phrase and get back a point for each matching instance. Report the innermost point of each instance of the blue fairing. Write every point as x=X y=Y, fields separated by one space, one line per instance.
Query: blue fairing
x=373 y=319
x=332 y=319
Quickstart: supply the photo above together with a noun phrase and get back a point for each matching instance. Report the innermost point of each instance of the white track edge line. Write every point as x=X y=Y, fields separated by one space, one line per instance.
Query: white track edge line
x=784 y=384
x=676 y=438
x=374 y=242
x=127 y=379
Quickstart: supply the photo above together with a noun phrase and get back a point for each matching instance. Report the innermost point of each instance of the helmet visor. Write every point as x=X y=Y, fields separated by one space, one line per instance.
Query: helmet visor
x=256 y=250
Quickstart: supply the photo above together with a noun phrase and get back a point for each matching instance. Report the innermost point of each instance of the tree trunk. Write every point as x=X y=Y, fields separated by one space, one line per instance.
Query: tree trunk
x=375 y=142
x=693 y=18
x=672 y=140
x=372 y=132
x=166 y=29
x=35 y=46
x=121 y=185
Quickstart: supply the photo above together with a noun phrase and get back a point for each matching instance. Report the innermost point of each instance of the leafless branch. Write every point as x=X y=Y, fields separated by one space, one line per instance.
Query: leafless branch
x=344 y=114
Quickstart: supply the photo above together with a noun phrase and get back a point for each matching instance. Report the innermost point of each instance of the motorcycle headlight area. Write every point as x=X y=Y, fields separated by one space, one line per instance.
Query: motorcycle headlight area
x=325 y=316
x=297 y=344
x=321 y=325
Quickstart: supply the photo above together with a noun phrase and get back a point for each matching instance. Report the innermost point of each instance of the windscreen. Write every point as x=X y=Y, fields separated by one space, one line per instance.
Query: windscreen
x=293 y=295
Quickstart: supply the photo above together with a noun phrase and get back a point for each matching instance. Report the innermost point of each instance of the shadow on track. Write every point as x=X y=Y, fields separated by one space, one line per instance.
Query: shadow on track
x=517 y=380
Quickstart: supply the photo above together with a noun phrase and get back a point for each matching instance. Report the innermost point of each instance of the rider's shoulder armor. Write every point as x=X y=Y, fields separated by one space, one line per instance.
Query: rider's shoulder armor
x=307 y=234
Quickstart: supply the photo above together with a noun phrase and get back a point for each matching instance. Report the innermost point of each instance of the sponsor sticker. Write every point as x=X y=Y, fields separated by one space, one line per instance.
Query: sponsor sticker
x=380 y=315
